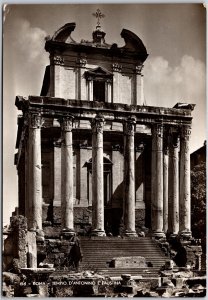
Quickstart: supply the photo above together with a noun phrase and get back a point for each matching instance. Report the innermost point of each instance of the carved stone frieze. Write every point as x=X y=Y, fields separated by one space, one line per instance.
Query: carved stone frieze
x=116 y=67
x=97 y=124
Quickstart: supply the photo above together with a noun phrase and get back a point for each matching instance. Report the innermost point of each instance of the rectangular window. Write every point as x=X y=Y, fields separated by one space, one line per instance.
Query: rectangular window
x=99 y=91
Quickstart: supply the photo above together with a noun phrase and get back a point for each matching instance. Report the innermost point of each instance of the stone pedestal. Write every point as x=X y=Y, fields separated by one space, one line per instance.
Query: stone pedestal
x=97 y=177
x=67 y=176
x=185 y=188
x=129 y=179
x=157 y=181
x=35 y=176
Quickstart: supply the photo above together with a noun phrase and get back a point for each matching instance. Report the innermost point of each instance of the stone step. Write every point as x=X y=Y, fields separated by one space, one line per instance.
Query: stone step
x=98 y=252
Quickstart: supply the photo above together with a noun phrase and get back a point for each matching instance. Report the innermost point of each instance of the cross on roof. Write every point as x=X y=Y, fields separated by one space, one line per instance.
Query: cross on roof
x=99 y=16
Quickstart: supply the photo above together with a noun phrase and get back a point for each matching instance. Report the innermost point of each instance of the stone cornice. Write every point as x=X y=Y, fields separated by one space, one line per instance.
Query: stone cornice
x=114 y=52
x=58 y=107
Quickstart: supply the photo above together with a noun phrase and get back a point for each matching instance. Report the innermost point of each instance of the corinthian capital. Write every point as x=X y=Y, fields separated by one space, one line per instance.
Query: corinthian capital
x=186 y=132
x=35 y=120
x=97 y=124
x=81 y=61
x=157 y=130
x=138 y=69
x=66 y=123
x=58 y=60
x=129 y=126
x=116 y=67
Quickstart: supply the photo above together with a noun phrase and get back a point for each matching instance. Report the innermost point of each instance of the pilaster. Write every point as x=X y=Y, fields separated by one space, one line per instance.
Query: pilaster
x=116 y=67
x=139 y=85
x=81 y=81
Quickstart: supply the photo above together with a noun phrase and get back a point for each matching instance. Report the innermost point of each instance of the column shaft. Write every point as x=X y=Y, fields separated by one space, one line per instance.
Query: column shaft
x=174 y=186
x=157 y=184
x=185 y=196
x=67 y=175
x=97 y=177
x=129 y=179
x=165 y=190
x=139 y=176
x=35 y=184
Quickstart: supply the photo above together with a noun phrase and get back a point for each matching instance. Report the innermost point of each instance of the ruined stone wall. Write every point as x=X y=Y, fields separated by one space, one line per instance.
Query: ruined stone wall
x=15 y=245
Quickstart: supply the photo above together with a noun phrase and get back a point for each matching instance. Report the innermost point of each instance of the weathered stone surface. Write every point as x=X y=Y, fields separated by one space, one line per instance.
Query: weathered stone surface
x=67 y=217
x=157 y=181
x=129 y=179
x=139 y=218
x=97 y=177
x=15 y=252
x=129 y=262
x=35 y=177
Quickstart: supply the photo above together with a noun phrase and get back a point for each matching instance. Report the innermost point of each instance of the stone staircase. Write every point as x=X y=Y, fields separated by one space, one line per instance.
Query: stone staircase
x=99 y=251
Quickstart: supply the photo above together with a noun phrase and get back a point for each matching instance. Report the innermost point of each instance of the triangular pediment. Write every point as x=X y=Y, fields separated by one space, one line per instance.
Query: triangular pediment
x=99 y=71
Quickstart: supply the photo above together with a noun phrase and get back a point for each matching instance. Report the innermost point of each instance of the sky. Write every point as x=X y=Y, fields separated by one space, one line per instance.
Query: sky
x=173 y=34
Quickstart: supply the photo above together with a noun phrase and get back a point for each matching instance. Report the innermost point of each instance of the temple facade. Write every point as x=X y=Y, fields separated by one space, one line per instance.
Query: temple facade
x=92 y=157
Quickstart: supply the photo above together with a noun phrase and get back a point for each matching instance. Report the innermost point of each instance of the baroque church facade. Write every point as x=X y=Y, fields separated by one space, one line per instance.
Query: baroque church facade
x=92 y=158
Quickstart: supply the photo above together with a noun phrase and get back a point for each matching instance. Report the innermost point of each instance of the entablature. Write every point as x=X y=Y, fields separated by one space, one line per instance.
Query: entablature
x=51 y=107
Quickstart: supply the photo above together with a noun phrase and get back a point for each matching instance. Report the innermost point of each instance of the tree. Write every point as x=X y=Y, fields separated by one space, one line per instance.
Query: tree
x=198 y=202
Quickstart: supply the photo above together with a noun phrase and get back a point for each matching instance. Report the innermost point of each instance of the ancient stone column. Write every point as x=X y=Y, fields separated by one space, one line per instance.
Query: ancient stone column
x=157 y=181
x=97 y=177
x=129 y=179
x=174 y=185
x=67 y=217
x=139 y=176
x=35 y=175
x=165 y=188
x=185 y=188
